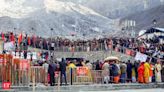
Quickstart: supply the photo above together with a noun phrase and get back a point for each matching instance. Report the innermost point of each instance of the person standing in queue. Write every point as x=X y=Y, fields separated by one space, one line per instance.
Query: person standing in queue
x=63 y=66
x=146 y=72
x=158 y=69
x=129 y=71
x=51 y=70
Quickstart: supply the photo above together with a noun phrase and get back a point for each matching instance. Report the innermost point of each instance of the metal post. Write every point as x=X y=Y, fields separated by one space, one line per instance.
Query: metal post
x=71 y=76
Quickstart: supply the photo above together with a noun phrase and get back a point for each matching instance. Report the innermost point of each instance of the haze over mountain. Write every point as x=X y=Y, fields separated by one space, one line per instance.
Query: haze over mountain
x=40 y=16
x=117 y=8
x=144 y=19
x=51 y=18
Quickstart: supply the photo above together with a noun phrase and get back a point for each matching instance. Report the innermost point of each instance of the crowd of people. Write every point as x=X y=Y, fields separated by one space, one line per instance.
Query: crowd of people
x=112 y=72
x=141 y=72
x=152 y=48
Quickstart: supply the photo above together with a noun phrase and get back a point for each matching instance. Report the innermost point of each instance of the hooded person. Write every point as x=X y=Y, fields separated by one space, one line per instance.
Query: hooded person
x=105 y=71
x=158 y=69
x=141 y=73
x=146 y=72
x=151 y=72
x=123 y=68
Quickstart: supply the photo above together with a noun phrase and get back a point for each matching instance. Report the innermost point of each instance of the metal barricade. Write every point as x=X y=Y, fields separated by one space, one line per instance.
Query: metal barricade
x=92 y=76
x=38 y=74
x=97 y=76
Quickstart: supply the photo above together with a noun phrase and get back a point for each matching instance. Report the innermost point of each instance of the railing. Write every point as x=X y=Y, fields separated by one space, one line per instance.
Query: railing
x=36 y=74
x=101 y=47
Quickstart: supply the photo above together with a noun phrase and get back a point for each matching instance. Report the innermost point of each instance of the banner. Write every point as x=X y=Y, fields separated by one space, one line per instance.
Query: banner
x=141 y=57
x=82 y=71
x=9 y=46
x=21 y=55
x=1 y=46
x=24 y=64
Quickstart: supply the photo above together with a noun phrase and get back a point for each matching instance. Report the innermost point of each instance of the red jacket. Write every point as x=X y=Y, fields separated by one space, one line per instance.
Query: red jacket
x=141 y=70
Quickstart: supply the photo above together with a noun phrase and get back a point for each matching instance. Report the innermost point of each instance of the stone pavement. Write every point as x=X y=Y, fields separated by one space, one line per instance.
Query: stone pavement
x=87 y=88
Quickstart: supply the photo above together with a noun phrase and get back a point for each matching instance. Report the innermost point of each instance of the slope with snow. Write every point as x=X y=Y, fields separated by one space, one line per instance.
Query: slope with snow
x=40 y=16
x=120 y=8
x=117 y=8
x=144 y=19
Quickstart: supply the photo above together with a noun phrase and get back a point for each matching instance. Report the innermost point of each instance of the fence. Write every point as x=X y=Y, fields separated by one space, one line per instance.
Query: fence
x=37 y=74
x=103 y=47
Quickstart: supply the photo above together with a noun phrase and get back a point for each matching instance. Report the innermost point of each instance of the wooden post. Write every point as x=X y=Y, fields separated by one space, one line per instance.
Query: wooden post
x=58 y=82
x=33 y=81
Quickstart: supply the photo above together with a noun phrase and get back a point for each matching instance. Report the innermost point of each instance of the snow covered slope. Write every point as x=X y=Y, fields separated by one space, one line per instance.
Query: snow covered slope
x=41 y=16
x=117 y=8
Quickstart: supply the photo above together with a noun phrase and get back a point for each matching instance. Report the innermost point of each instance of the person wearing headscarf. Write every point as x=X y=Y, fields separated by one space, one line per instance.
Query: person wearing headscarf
x=123 y=72
x=105 y=72
x=158 y=69
x=146 y=72
x=151 y=72
x=141 y=73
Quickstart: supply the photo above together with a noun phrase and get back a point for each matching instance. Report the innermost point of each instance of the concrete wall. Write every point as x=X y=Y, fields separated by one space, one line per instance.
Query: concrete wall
x=92 y=55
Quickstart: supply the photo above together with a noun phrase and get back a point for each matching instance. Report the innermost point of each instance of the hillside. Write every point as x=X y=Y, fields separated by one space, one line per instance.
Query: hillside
x=144 y=19
x=40 y=16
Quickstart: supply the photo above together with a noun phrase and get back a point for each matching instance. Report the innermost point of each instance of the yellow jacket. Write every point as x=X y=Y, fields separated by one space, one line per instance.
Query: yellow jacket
x=71 y=65
x=146 y=70
x=133 y=72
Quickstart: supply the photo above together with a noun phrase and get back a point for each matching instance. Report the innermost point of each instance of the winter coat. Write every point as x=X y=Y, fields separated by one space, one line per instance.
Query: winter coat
x=146 y=70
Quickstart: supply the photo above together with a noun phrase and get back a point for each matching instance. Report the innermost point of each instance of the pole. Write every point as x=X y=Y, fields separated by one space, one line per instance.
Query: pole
x=71 y=76
x=59 y=82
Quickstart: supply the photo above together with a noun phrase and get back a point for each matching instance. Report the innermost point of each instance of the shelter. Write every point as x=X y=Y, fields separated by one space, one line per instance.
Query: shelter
x=152 y=33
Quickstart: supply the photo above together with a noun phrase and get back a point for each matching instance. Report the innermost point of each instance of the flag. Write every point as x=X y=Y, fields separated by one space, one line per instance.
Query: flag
x=3 y=36
x=12 y=38
x=20 y=38
x=29 y=41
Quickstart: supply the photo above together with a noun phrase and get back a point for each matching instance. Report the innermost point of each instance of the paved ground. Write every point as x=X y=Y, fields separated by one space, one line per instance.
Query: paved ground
x=93 y=88
x=131 y=90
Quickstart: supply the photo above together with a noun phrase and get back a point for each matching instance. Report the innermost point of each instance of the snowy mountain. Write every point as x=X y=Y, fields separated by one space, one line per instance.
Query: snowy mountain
x=144 y=19
x=52 y=18
x=117 y=8
x=121 y=8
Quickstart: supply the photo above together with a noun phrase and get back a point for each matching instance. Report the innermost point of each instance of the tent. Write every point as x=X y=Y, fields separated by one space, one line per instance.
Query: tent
x=142 y=32
x=153 y=30
x=111 y=58
x=150 y=33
